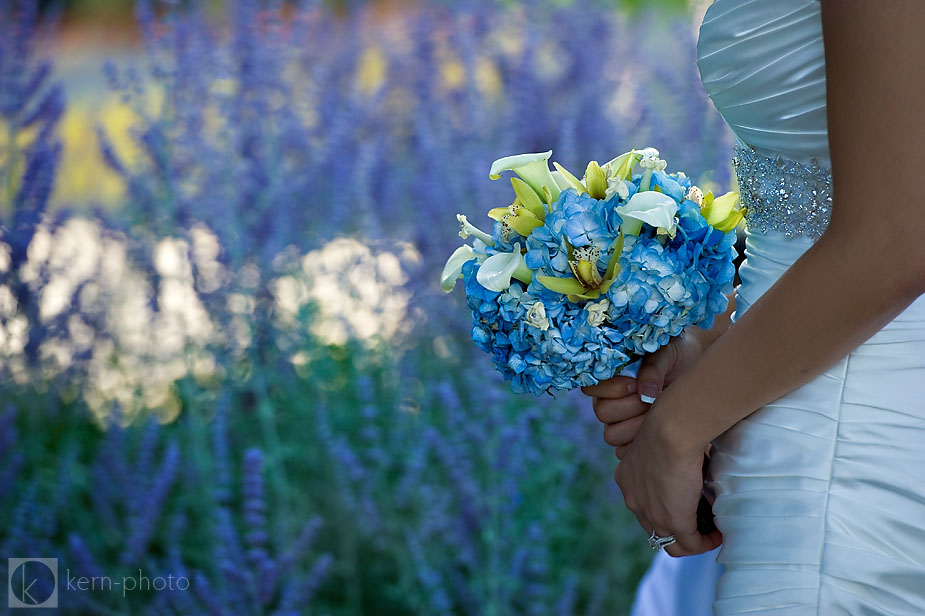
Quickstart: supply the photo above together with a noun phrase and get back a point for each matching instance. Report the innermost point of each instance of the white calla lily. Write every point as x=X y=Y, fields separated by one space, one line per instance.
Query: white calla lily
x=651 y=207
x=496 y=272
x=452 y=271
x=532 y=169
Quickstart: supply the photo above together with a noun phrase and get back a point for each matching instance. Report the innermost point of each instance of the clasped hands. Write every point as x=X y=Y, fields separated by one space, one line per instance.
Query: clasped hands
x=660 y=478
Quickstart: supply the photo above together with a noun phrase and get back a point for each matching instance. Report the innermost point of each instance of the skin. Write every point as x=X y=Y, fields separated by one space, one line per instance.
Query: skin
x=866 y=269
x=618 y=402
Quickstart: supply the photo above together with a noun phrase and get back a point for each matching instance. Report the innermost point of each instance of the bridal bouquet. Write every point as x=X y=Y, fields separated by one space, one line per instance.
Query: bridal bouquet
x=579 y=278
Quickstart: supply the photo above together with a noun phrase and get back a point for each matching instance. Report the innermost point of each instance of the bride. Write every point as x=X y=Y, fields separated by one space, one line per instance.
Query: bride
x=812 y=392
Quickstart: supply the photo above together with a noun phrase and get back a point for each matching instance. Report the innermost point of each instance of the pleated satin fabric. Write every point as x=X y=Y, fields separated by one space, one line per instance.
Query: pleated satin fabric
x=820 y=494
x=763 y=64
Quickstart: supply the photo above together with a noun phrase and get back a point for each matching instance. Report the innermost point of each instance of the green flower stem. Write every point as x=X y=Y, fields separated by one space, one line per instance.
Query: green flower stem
x=523 y=273
x=631 y=226
x=646 y=180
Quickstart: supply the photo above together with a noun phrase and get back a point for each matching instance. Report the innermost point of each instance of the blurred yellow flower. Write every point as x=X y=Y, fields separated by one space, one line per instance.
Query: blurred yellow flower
x=83 y=176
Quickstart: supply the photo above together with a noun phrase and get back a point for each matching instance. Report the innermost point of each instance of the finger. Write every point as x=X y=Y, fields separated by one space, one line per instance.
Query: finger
x=677 y=550
x=689 y=544
x=652 y=371
x=611 y=410
x=623 y=432
x=616 y=387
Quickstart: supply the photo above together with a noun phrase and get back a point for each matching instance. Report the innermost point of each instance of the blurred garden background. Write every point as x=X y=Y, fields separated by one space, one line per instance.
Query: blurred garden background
x=224 y=351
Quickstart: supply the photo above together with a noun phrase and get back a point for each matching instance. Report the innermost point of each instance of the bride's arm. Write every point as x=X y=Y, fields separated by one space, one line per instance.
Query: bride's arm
x=867 y=267
x=870 y=263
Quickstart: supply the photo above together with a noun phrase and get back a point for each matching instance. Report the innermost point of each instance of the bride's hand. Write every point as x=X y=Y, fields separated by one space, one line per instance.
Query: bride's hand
x=661 y=484
x=621 y=403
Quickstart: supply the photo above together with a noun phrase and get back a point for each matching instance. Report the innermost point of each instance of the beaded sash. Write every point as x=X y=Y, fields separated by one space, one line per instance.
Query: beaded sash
x=783 y=195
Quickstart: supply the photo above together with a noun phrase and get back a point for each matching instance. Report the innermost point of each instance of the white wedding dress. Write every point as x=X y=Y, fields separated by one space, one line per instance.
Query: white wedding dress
x=820 y=494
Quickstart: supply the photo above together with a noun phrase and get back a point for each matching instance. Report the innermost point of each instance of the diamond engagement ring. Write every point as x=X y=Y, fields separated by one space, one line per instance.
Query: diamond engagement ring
x=660 y=543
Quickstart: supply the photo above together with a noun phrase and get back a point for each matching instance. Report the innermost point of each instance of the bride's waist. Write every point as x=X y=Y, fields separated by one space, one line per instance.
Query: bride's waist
x=769 y=254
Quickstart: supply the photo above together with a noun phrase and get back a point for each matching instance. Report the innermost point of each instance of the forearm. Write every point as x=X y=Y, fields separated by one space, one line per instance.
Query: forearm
x=830 y=301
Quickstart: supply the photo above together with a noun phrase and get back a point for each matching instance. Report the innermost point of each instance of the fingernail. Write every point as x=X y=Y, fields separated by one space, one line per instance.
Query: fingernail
x=647 y=392
x=631 y=387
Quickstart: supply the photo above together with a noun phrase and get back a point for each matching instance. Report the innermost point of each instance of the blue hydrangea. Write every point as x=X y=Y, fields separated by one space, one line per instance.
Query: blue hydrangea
x=663 y=286
x=575 y=219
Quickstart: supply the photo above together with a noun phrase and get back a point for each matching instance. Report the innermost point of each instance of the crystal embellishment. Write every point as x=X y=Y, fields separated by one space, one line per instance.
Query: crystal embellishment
x=783 y=195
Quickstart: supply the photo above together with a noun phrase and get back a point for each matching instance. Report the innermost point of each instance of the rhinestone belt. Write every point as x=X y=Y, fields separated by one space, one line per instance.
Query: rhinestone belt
x=783 y=195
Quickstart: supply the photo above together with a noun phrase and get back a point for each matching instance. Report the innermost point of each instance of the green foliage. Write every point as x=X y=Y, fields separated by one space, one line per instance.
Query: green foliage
x=425 y=503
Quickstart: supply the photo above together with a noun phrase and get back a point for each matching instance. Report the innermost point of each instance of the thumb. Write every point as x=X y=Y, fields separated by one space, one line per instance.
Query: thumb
x=652 y=371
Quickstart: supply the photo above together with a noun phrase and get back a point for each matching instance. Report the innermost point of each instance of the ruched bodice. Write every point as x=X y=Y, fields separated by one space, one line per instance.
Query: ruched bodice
x=820 y=495
x=763 y=64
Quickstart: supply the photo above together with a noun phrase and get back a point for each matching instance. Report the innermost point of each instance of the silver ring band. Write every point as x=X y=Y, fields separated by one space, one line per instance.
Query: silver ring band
x=660 y=543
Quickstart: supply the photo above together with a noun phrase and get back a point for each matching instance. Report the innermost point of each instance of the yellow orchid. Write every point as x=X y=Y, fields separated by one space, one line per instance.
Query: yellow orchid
x=528 y=198
x=516 y=217
x=694 y=194
x=587 y=282
x=721 y=212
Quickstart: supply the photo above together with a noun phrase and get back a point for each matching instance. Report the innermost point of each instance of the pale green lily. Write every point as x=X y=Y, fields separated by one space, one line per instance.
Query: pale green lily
x=721 y=212
x=532 y=168
x=587 y=283
x=452 y=271
x=652 y=207
x=496 y=272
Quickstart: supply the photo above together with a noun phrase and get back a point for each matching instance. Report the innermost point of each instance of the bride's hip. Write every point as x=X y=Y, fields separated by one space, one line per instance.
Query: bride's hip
x=871 y=398
x=865 y=410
